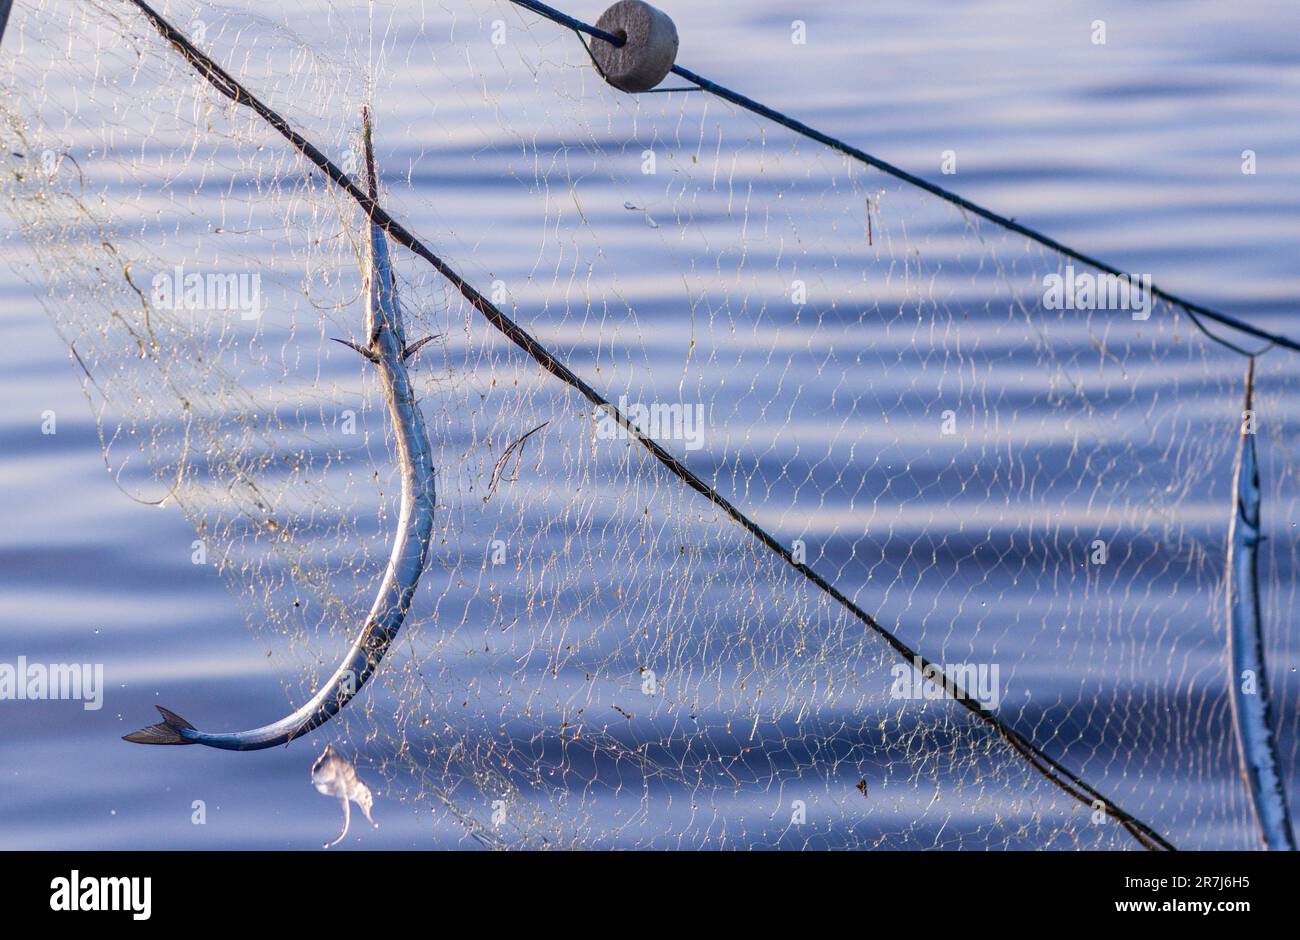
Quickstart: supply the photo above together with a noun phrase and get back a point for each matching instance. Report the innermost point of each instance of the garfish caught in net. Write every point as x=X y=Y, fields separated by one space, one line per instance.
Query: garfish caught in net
x=598 y=655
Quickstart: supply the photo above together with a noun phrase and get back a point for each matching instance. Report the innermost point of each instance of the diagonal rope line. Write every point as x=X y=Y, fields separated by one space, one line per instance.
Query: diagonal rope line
x=1193 y=310
x=5 y=7
x=1051 y=769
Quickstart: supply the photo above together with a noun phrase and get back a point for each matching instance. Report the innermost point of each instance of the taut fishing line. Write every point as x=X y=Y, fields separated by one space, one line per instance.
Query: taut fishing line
x=1033 y=496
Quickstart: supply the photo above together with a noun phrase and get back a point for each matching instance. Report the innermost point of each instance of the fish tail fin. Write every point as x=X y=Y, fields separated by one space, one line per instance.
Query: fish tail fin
x=171 y=730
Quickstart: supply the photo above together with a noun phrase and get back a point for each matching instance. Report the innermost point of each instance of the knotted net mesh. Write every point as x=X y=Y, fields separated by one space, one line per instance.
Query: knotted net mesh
x=597 y=656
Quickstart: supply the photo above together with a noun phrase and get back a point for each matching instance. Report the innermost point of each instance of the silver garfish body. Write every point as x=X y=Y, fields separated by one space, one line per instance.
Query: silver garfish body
x=385 y=346
x=1251 y=706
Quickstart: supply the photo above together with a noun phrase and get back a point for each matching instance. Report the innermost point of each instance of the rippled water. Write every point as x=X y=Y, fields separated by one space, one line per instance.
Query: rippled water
x=1131 y=150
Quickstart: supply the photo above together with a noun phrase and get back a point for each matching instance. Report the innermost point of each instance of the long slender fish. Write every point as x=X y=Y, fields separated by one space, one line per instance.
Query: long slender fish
x=386 y=347
x=1251 y=706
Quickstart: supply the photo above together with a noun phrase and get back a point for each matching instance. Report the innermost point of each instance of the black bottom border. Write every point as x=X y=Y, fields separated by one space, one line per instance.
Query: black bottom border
x=311 y=889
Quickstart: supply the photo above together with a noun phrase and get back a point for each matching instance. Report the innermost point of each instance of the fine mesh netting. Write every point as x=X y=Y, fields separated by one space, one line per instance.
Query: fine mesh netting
x=597 y=656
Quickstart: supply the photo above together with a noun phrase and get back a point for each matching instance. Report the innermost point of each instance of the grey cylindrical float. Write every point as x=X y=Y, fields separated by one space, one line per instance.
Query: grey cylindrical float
x=646 y=57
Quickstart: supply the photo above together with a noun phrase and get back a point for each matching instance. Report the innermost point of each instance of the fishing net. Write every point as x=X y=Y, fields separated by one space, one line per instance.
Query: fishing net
x=597 y=656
